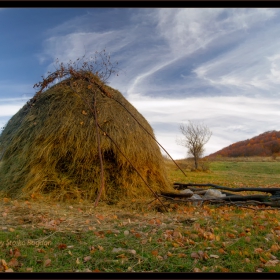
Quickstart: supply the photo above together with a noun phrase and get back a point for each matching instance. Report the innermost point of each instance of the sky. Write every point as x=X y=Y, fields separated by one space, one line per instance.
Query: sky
x=216 y=66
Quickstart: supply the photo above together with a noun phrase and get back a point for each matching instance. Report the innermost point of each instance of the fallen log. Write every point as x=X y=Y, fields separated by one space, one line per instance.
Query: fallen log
x=275 y=192
x=262 y=198
x=178 y=195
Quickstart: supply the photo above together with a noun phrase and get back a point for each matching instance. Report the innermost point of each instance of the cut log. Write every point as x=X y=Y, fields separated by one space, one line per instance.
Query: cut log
x=178 y=195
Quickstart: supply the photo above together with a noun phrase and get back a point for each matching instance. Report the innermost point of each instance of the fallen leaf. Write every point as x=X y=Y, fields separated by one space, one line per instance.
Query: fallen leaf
x=133 y=252
x=214 y=256
x=181 y=255
x=117 y=250
x=155 y=252
x=272 y=263
x=231 y=235
x=121 y=256
x=247 y=239
x=41 y=251
x=9 y=270
x=100 y=248
x=195 y=255
x=222 y=251
x=13 y=262
x=196 y=269
x=4 y=264
x=78 y=261
x=274 y=248
x=47 y=262
x=258 y=250
x=62 y=246
x=29 y=269
x=224 y=269
x=86 y=259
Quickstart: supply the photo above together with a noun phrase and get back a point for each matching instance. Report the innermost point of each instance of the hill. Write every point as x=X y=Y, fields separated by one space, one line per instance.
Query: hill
x=265 y=144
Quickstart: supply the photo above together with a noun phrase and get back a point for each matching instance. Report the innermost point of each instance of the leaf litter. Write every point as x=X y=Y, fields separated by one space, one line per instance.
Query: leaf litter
x=186 y=232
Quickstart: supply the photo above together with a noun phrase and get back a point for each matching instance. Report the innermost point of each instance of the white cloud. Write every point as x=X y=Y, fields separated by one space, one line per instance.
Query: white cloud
x=9 y=110
x=230 y=119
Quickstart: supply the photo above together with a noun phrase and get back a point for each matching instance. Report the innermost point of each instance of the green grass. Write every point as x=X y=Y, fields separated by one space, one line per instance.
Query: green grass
x=233 y=174
x=75 y=237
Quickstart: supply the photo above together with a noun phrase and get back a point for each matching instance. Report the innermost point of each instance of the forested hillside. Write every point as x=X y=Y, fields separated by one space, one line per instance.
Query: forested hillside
x=265 y=144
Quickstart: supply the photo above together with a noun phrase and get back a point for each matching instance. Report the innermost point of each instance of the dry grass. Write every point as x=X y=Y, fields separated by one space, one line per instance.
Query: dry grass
x=51 y=148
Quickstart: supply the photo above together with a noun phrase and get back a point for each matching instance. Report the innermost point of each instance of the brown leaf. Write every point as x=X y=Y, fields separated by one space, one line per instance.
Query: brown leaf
x=17 y=253
x=86 y=259
x=222 y=251
x=13 y=262
x=195 y=255
x=155 y=252
x=258 y=250
x=272 y=263
x=181 y=255
x=41 y=251
x=196 y=269
x=247 y=239
x=47 y=262
x=169 y=254
x=121 y=256
x=231 y=235
x=214 y=256
x=274 y=248
x=4 y=264
x=62 y=246
x=100 y=248
x=29 y=269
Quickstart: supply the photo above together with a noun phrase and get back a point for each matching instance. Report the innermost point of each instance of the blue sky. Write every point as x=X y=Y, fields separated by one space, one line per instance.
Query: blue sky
x=218 y=66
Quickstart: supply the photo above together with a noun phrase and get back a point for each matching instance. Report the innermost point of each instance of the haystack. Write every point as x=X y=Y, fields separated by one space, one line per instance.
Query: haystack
x=51 y=149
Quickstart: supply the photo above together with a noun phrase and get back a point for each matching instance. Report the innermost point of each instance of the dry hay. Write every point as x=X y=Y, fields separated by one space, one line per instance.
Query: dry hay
x=51 y=148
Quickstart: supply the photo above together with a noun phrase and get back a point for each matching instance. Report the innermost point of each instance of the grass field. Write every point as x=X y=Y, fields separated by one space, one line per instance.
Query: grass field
x=38 y=236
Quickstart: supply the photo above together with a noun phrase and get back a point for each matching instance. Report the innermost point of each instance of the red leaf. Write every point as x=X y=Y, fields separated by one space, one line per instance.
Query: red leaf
x=62 y=246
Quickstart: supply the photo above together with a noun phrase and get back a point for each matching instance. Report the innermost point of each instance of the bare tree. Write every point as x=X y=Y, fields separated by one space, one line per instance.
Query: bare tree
x=196 y=135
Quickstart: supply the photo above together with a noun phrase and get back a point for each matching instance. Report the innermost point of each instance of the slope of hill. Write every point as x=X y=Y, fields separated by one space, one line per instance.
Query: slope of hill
x=265 y=144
